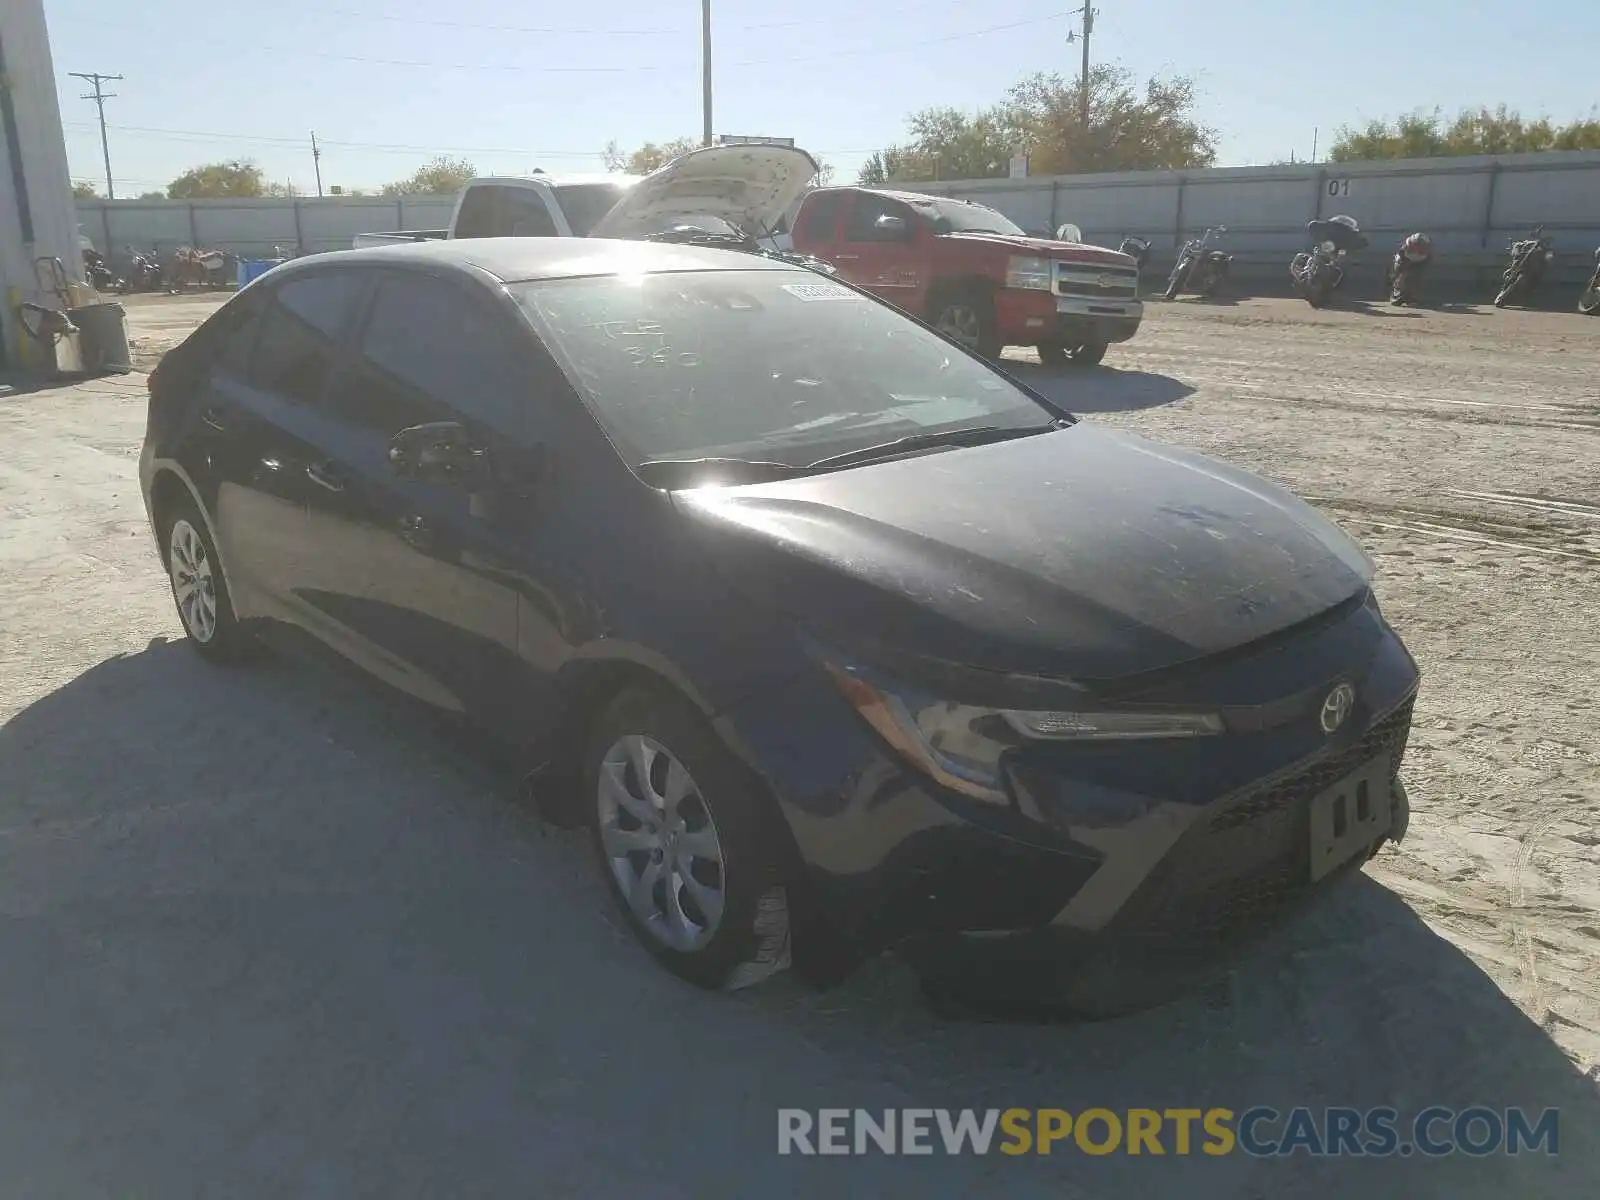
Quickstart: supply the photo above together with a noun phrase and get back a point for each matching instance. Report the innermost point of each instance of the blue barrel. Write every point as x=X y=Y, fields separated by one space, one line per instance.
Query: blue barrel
x=254 y=268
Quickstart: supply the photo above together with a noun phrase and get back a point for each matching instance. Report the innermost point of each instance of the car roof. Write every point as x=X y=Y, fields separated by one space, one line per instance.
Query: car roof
x=519 y=259
x=896 y=194
x=552 y=180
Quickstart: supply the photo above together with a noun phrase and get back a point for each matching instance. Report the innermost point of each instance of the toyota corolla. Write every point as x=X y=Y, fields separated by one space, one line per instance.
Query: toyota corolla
x=833 y=634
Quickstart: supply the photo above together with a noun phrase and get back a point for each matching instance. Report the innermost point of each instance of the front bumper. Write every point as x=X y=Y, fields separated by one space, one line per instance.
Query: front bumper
x=1122 y=871
x=1026 y=317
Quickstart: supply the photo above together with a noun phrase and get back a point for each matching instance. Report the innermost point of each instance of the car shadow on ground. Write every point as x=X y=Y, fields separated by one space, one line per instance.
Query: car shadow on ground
x=1098 y=389
x=267 y=936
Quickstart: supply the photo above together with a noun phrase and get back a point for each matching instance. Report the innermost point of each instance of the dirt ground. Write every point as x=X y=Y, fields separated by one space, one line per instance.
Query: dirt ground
x=263 y=937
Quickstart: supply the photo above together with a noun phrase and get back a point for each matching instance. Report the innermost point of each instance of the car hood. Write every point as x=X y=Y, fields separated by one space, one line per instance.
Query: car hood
x=1083 y=554
x=748 y=186
x=1048 y=248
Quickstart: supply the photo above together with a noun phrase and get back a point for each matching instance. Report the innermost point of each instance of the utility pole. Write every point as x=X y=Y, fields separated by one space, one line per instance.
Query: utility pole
x=316 y=161
x=1089 y=14
x=100 y=98
x=705 y=67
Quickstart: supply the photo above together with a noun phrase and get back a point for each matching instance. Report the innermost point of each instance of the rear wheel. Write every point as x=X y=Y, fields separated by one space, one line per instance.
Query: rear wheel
x=968 y=318
x=682 y=838
x=198 y=587
x=1589 y=302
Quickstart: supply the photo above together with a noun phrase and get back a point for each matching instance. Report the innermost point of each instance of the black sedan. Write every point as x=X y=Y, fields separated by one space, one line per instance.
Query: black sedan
x=836 y=636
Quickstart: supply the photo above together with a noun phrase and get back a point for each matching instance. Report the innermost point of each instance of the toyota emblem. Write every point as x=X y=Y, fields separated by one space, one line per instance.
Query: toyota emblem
x=1336 y=708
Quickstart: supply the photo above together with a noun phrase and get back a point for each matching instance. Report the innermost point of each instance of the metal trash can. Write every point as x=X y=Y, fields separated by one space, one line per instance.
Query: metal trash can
x=103 y=334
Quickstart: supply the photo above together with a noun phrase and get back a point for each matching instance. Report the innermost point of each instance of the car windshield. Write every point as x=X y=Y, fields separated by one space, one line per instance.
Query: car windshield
x=766 y=366
x=967 y=218
x=586 y=203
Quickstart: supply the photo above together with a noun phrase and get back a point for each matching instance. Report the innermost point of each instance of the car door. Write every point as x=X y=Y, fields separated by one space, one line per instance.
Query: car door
x=878 y=249
x=265 y=383
x=417 y=580
x=816 y=226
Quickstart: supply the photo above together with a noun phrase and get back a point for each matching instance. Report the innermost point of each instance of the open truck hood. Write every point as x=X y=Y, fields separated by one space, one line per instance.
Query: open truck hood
x=748 y=186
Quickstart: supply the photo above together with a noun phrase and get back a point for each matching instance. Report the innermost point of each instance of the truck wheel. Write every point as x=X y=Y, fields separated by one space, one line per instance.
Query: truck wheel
x=968 y=317
x=1089 y=355
x=1052 y=354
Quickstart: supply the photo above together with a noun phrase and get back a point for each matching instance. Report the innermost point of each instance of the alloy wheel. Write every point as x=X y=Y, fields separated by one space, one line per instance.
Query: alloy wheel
x=193 y=585
x=661 y=843
x=960 y=322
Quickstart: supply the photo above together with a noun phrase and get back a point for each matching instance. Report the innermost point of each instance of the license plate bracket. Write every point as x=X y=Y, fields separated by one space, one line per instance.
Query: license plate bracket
x=1350 y=815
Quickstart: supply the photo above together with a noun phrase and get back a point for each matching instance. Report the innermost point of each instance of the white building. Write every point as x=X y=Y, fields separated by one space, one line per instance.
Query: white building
x=37 y=218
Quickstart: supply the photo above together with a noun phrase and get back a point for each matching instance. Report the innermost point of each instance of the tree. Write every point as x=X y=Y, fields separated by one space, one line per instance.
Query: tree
x=84 y=191
x=1472 y=131
x=439 y=177
x=280 y=190
x=1129 y=130
x=238 y=177
x=648 y=157
x=152 y=195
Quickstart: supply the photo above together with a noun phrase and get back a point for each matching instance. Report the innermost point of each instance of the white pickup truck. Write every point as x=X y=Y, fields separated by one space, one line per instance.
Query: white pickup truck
x=537 y=205
x=745 y=190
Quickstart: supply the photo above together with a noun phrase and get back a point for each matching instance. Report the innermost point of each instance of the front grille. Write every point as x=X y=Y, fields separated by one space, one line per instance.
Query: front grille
x=1239 y=866
x=1107 y=283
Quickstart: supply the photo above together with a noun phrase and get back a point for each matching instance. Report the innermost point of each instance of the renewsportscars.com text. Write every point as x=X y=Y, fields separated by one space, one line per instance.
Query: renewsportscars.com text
x=1259 y=1132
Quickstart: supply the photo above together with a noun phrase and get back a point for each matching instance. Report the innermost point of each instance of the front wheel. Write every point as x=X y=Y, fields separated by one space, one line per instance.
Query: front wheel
x=1174 y=281
x=683 y=840
x=1089 y=355
x=1512 y=282
x=1589 y=302
x=968 y=318
x=1052 y=354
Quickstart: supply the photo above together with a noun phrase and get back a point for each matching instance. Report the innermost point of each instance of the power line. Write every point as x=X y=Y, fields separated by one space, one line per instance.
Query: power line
x=99 y=97
x=213 y=135
x=525 y=69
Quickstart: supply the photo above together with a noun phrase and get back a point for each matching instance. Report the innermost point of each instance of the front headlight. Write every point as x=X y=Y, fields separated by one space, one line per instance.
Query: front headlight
x=1024 y=272
x=960 y=745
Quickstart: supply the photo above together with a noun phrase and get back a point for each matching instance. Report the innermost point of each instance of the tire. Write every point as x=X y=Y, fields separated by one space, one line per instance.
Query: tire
x=968 y=317
x=199 y=588
x=1174 y=281
x=1089 y=355
x=692 y=846
x=1511 y=284
x=1052 y=354
x=1589 y=302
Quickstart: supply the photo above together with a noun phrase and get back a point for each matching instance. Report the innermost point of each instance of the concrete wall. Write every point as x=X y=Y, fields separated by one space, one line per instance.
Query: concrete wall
x=39 y=157
x=1471 y=207
x=251 y=228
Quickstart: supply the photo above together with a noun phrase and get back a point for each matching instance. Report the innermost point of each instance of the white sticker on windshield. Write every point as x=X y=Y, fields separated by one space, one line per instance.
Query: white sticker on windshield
x=818 y=291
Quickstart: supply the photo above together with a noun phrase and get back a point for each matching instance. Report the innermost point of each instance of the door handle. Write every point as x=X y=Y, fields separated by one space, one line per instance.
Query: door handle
x=323 y=477
x=216 y=418
x=846 y=257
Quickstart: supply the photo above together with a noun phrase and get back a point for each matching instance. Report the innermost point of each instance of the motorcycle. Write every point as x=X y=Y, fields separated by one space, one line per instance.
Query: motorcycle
x=97 y=273
x=1589 y=301
x=1320 y=271
x=1529 y=258
x=1404 y=280
x=1199 y=268
x=142 y=273
x=1136 y=248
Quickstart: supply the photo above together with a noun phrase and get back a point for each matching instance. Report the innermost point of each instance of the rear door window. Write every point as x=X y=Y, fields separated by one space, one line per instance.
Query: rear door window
x=478 y=214
x=300 y=332
x=820 y=217
x=523 y=213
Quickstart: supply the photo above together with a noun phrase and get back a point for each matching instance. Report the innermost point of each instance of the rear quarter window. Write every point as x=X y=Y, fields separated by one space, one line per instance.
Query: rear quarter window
x=477 y=215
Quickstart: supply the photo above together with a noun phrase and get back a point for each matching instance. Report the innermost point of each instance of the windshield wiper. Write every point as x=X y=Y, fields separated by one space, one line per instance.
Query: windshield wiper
x=684 y=472
x=977 y=435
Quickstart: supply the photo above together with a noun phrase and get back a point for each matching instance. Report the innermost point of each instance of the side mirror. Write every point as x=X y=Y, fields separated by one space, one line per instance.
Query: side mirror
x=942 y=225
x=439 y=452
x=889 y=228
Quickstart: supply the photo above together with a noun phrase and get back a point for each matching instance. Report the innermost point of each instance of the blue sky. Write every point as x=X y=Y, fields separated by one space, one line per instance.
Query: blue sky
x=512 y=86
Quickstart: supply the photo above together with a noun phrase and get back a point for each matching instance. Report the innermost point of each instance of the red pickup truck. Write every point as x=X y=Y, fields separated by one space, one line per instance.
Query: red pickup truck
x=973 y=274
